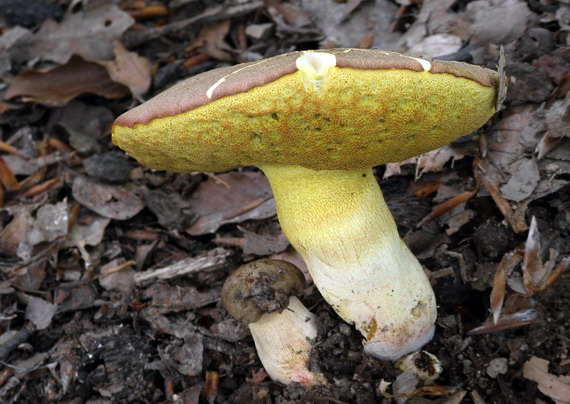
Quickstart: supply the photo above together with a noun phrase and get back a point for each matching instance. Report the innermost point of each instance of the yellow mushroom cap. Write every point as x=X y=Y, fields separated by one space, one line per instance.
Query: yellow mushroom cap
x=346 y=109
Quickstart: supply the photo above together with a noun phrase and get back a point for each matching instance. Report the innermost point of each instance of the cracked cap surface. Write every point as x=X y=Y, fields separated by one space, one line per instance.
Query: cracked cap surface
x=371 y=107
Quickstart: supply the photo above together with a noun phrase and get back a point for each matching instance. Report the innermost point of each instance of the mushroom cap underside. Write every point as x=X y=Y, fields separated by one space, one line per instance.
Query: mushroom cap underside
x=371 y=108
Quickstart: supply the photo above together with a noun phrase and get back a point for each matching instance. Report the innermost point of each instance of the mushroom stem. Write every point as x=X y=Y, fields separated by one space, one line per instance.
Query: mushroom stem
x=339 y=222
x=284 y=342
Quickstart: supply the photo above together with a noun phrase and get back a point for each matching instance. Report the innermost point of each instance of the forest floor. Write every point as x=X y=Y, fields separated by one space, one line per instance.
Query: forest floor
x=111 y=273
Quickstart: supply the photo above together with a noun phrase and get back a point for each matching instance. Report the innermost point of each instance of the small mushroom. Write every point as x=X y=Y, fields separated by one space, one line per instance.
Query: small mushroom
x=259 y=294
x=315 y=123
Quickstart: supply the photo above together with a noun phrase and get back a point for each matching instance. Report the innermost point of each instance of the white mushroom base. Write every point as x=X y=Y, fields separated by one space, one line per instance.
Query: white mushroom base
x=284 y=342
x=338 y=221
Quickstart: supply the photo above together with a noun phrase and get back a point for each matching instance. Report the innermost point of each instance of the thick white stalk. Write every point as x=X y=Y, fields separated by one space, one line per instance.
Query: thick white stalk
x=338 y=221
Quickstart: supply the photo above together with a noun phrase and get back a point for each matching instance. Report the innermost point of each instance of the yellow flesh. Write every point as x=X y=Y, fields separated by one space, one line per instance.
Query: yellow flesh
x=356 y=119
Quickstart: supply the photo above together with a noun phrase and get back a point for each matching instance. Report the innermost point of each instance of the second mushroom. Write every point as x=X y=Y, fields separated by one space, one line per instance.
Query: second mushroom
x=261 y=295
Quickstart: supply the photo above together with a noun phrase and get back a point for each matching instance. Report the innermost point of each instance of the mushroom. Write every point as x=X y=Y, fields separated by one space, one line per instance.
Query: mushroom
x=259 y=294
x=316 y=122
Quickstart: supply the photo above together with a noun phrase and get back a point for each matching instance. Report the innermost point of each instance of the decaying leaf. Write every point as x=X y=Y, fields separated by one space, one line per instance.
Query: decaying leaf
x=504 y=269
x=130 y=69
x=539 y=275
x=269 y=239
x=555 y=387
x=40 y=312
x=510 y=172
x=489 y=16
x=432 y=161
x=507 y=322
x=111 y=201
x=88 y=30
x=436 y=45
x=61 y=84
x=332 y=28
x=50 y=223
x=230 y=198
x=558 y=124
x=86 y=231
x=534 y=272
x=211 y=41
x=118 y=275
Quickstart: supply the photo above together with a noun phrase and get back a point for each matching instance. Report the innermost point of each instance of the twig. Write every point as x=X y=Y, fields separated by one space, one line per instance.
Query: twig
x=21 y=336
x=211 y=15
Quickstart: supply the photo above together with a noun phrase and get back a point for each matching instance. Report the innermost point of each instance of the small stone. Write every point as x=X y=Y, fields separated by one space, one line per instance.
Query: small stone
x=497 y=366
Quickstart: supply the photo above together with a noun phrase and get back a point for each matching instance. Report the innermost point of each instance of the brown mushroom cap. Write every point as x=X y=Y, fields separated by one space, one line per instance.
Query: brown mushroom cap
x=259 y=287
x=374 y=107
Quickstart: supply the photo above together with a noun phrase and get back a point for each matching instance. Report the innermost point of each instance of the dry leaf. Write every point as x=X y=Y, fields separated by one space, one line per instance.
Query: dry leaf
x=210 y=40
x=436 y=45
x=40 y=312
x=558 y=123
x=534 y=272
x=504 y=269
x=433 y=18
x=230 y=198
x=61 y=84
x=50 y=223
x=87 y=31
x=7 y=177
x=86 y=232
x=130 y=69
x=506 y=322
x=372 y=17
x=489 y=17
x=290 y=14
x=118 y=275
x=555 y=387
x=114 y=202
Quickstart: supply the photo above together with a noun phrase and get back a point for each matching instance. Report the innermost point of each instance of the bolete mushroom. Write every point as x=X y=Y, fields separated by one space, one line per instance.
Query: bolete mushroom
x=315 y=123
x=260 y=294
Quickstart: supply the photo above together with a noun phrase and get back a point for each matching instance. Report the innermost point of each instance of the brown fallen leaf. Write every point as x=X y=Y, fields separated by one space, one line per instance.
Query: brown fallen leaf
x=130 y=69
x=210 y=41
x=88 y=31
x=14 y=233
x=50 y=224
x=238 y=197
x=266 y=239
x=118 y=275
x=111 y=201
x=7 y=177
x=288 y=13
x=488 y=18
x=558 y=124
x=61 y=84
x=504 y=269
x=555 y=387
x=40 y=312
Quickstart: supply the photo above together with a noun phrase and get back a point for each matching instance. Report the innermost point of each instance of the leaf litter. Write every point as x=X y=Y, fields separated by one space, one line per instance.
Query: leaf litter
x=108 y=267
